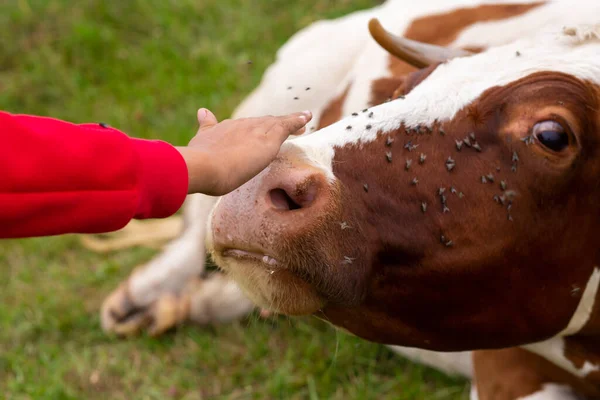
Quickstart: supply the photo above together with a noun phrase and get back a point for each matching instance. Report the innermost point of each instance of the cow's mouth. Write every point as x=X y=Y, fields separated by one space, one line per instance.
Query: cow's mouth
x=251 y=256
x=268 y=282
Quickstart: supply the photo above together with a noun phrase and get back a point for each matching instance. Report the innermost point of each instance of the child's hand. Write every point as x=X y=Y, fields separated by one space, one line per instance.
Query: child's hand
x=223 y=156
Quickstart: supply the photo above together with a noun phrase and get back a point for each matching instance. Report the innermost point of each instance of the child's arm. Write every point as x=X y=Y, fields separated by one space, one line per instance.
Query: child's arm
x=57 y=177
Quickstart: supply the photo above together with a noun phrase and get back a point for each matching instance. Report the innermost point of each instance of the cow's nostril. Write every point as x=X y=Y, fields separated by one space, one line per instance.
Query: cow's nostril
x=282 y=201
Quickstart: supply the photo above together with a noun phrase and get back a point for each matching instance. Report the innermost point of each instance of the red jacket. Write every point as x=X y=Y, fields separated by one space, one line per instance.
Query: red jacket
x=57 y=177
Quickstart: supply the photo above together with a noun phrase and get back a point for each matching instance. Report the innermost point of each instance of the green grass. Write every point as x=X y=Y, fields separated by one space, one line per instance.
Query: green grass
x=145 y=67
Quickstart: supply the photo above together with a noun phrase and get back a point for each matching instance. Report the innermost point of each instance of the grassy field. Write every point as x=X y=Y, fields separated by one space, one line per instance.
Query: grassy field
x=145 y=67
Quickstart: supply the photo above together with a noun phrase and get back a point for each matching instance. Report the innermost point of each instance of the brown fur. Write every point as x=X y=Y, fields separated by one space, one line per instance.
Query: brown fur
x=500 y=118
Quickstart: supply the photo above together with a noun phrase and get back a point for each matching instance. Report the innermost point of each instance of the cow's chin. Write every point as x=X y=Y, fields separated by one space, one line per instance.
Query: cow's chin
x=268 y=284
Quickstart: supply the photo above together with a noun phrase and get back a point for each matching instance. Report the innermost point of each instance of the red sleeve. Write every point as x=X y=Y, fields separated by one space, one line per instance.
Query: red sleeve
x=57 y=177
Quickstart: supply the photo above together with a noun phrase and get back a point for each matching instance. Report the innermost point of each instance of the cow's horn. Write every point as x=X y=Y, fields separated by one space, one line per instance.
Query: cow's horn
x=417 y=54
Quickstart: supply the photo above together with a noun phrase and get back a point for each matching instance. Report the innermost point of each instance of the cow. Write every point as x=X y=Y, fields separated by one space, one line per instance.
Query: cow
x=442 y=201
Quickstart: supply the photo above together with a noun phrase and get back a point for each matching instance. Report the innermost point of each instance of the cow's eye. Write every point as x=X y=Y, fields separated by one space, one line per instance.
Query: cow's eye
x=551 y=134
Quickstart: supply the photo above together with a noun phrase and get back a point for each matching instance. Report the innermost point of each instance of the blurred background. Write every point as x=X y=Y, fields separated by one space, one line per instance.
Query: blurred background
x=145 y=67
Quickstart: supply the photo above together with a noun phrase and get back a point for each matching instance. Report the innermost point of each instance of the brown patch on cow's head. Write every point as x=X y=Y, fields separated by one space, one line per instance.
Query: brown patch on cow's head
x=481 y=224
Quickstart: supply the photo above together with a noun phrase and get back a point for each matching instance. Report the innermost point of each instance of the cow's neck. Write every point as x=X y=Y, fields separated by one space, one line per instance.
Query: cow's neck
x=577 y=349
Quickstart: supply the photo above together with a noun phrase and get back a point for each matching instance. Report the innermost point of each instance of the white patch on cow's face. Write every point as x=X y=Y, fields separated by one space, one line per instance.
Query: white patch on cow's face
x=455 y=85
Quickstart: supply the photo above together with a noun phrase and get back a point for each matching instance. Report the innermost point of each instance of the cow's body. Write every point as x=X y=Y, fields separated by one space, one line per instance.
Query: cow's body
x=347 y=72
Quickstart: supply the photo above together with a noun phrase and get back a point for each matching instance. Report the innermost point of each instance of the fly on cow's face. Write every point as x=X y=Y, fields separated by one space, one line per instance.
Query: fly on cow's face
x=370 y=114
x=441 y=191
x=515 y=157
x=409 y=146
x=355 y=114
x=446 y=242
x=467 y=142
x=442 y=132
x=483 y=179
x=422 y=158
x=414 y=181
x=368 y=127
x=490 y=177
x=296 y=98
x=459 y=144
x=528 y=140
x=349 y=127
x=389 y=141
x=366 y=188
x=423 y=207
x=408 y=164
x=348 y=260
x=450 y=164
x=388 y=156
x=477 y=147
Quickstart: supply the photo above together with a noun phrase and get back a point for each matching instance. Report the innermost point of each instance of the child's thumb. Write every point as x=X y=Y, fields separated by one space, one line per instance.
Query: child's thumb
x=206 y=118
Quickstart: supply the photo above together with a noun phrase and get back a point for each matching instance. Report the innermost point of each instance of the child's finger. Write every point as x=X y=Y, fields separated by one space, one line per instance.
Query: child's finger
x=206 y=118
x=290 y=125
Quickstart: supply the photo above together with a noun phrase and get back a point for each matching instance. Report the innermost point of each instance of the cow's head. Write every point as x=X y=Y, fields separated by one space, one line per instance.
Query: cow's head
x=463 y=214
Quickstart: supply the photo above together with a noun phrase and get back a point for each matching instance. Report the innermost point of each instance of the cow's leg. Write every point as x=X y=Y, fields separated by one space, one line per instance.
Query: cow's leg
x=151 y=289
x=216 y=299
x=516 y=373
x=212 y=300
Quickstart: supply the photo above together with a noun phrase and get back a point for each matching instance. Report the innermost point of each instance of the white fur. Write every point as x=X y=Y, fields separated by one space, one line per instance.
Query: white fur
x=551 y=391
x=182 y=260
x=452 y=363
x=473 y=395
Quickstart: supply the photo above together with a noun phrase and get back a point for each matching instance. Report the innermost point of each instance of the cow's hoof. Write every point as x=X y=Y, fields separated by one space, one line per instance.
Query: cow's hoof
x=121 y=316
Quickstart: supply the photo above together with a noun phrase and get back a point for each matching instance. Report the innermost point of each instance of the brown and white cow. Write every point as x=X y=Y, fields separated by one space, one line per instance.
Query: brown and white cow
x=458 y=216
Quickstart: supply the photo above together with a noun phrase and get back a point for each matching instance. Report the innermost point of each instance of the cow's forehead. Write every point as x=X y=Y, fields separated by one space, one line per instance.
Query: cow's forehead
x=454 y=85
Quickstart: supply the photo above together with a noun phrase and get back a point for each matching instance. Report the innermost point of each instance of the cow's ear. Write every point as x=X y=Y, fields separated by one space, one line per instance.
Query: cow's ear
x=417 y=54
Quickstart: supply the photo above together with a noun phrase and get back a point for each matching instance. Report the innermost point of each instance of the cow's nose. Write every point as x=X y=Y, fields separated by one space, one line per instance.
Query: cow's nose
x=296 y=191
